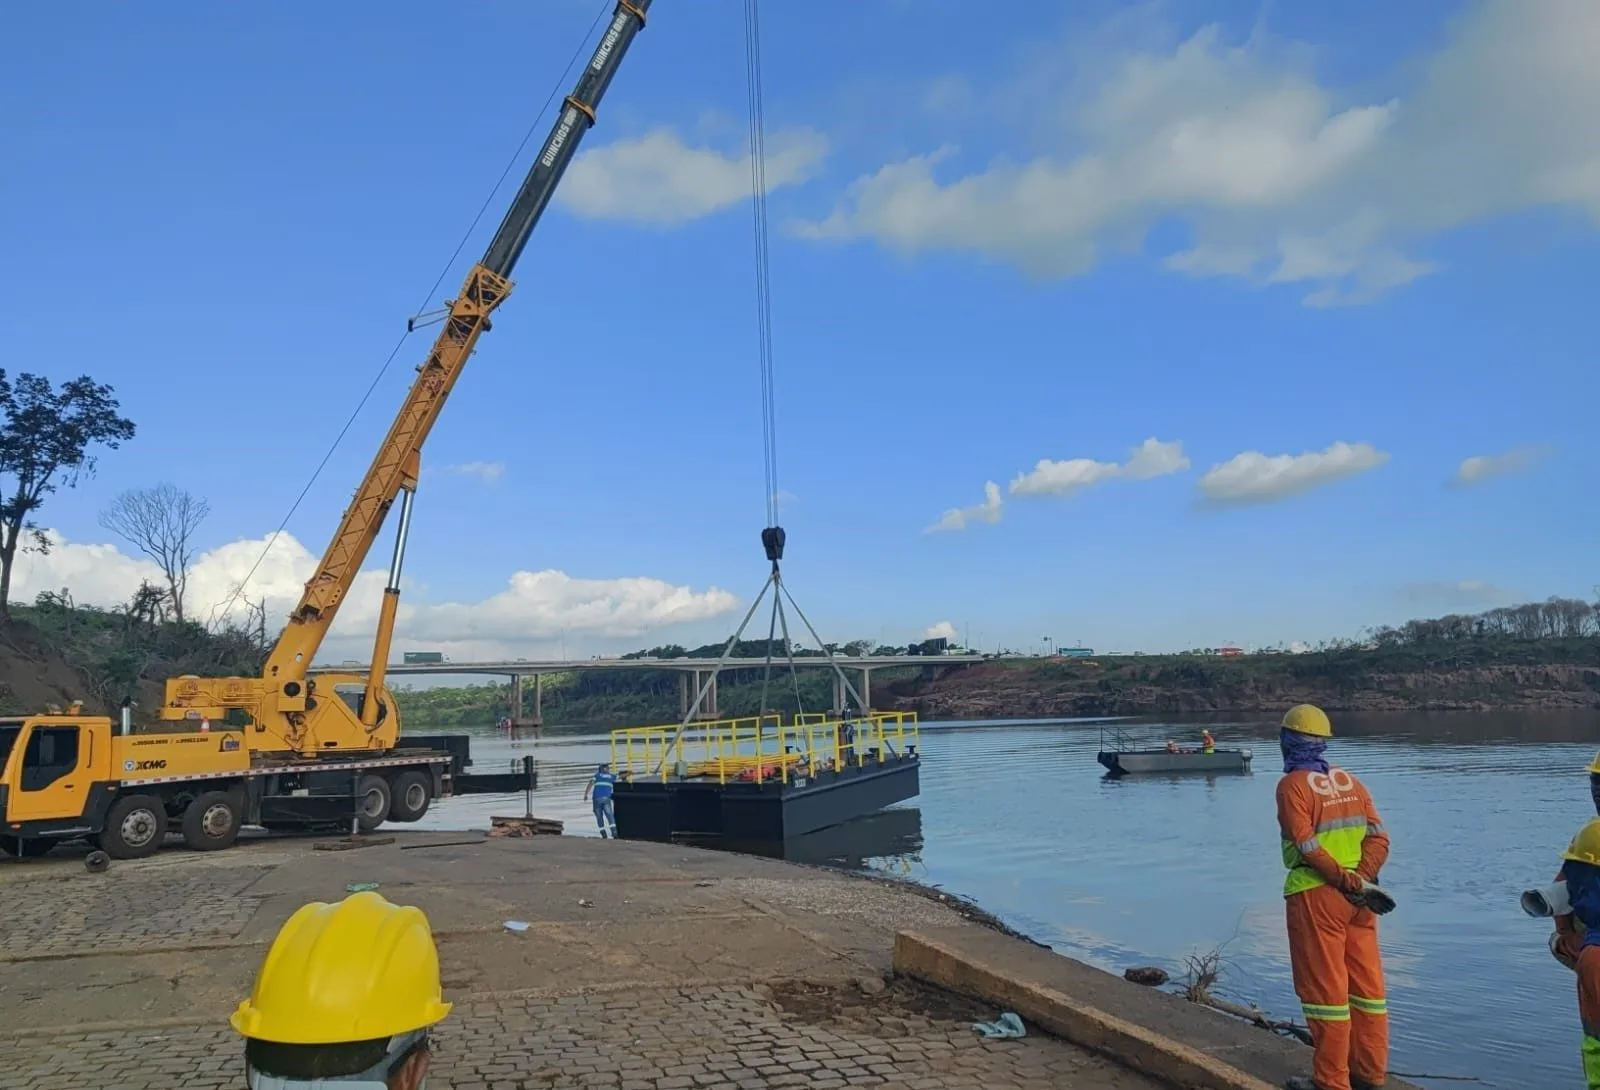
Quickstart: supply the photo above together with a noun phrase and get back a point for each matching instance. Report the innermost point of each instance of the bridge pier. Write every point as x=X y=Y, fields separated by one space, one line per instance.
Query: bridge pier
x=841 y=695
x=686 y=695
x=518 y=719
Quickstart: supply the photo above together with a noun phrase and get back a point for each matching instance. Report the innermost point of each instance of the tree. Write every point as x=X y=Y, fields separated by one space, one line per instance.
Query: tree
x=45 y=436
x=160 y=522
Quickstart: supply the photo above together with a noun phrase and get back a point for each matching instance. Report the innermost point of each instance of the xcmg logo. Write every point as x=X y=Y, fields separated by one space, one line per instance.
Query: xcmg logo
x=142 y=766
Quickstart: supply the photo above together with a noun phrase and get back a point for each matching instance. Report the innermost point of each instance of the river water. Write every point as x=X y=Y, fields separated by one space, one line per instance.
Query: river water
x=1149 y=870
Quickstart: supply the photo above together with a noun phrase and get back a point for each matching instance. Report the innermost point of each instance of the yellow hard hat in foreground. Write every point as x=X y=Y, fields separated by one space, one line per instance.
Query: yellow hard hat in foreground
x=1594 y=765
x=1308 y=719
x=357 y=970
x=1585 y=846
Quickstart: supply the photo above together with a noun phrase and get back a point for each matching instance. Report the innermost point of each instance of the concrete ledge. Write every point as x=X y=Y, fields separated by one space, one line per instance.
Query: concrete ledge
x=1160 y=1035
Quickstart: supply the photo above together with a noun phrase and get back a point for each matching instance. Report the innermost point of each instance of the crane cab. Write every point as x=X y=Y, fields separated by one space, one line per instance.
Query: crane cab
x=54 y=770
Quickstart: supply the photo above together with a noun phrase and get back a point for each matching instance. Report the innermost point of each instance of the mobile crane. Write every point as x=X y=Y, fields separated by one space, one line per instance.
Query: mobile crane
x=286 y=750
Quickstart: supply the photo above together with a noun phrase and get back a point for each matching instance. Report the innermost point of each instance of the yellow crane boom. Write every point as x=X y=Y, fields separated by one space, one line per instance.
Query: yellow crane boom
x=283 y=704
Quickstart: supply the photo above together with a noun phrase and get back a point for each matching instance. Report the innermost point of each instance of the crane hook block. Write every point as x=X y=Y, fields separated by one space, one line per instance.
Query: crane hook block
x=772 y=539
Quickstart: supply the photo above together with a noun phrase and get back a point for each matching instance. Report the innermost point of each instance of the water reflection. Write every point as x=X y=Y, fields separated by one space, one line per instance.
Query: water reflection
x=889 y=842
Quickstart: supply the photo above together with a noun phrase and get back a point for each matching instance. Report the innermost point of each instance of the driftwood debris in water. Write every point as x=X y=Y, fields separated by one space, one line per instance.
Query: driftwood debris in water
x=1206 y=969
x=1204 y=972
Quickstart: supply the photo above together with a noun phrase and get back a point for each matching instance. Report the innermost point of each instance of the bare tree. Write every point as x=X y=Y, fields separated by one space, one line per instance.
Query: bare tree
x=160 y=522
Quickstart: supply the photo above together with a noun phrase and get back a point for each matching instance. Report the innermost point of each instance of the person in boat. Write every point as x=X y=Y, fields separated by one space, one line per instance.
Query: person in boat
x=605 y=809
x=1172 y=747
x=1333 y=846
x=1208 y=744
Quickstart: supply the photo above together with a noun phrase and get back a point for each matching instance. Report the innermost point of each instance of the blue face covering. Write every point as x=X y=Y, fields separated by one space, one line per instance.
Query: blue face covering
x=1302 y=752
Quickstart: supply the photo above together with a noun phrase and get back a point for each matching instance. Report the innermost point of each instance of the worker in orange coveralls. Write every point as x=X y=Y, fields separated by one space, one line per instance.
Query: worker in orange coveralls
x=1581 y=868
x=1334 y=845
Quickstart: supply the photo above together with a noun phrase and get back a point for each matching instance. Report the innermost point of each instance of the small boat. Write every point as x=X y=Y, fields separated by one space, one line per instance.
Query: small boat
x=1124 y=762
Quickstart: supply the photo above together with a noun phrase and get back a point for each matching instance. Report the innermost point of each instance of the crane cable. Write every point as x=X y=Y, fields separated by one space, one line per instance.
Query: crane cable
x=772 y=538
x=763 y=280
x=763 y=274
x=394 y=352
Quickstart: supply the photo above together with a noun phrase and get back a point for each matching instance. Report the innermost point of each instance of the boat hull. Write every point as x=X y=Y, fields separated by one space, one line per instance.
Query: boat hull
x=1132 y=762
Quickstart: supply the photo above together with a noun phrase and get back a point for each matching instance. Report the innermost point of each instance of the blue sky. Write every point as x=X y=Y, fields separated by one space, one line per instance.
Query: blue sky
x=1233 y=230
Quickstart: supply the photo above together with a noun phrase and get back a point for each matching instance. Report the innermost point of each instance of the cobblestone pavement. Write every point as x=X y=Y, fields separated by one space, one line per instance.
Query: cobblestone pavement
x=144 y=909
x=631 y=1039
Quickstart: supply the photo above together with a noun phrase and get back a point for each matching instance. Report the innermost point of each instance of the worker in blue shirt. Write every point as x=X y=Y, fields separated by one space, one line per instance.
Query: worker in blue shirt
x=599 y=788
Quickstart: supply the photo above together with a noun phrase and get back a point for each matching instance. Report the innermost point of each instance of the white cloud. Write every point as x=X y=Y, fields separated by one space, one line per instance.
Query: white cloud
x=658 y=179
x=944 y=630
x=1253 y=477
x=1455 y=594
x=1280 y=179
x=534 y=606
x=1152 y=458
x=488 y=471
x=1482 y=467
x=959 y=518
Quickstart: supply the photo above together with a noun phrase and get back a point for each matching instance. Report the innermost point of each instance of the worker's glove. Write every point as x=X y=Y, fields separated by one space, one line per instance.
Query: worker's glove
x=1368 y=895
x=1565 y=946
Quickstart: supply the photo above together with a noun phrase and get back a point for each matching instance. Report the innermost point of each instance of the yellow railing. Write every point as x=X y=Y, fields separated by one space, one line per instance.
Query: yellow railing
x=762 y=748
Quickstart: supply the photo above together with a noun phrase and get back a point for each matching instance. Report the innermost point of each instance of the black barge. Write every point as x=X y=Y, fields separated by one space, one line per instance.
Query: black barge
x=759 y=779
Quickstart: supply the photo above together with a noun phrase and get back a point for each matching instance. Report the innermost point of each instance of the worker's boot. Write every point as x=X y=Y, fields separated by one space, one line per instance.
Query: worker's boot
x=1301 y=1082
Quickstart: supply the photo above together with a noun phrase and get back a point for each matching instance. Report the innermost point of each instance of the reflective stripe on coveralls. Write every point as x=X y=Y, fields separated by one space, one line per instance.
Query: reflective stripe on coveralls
x=1340 y=837
x=1589 y=1011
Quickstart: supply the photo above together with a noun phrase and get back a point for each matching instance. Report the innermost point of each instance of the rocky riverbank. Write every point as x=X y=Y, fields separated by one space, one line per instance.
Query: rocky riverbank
x=1150 y=686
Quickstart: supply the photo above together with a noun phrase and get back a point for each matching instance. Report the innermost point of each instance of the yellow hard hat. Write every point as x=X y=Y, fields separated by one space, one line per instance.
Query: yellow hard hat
x=357 y=970
x=1308 y=719
x=1594 y=765
x=1585 y=846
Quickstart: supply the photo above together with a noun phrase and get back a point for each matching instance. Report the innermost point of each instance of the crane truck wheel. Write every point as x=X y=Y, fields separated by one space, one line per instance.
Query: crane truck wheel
x=411 y=792
x=211 y=822
x=372 y=802
x=135 y=827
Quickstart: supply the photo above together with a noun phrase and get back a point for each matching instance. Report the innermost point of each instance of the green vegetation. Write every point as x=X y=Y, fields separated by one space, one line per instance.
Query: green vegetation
x=1540 y=654
x=54 y=652
x=45 y=438
x=1543 y=654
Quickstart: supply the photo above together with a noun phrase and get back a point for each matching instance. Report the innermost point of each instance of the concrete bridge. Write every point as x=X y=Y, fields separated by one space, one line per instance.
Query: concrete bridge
x=692 y=674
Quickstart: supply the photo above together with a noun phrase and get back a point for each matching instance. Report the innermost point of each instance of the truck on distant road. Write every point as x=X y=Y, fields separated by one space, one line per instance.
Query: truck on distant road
x=423 y=658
